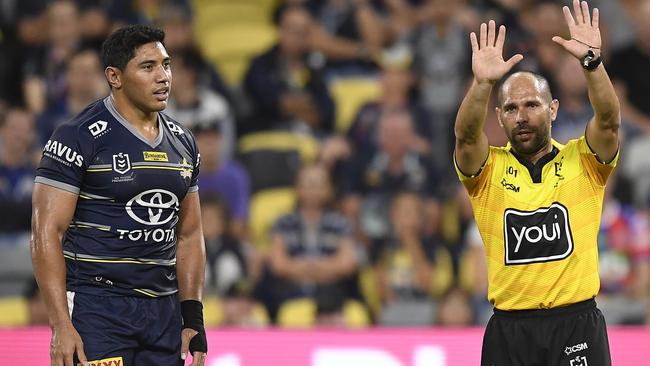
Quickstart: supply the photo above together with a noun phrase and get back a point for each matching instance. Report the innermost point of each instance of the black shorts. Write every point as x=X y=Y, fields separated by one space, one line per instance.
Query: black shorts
x=573 y=335
x=128 y=331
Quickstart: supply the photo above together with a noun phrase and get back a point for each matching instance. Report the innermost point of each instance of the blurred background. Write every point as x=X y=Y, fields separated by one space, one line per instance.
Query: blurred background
x=325 y=127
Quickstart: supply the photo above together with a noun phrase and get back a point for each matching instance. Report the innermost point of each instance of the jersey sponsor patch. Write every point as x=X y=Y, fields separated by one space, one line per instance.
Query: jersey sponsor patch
x=113 y=361
x=155 y=156
x=62 y=153
x=153 y=207
x=537 y=236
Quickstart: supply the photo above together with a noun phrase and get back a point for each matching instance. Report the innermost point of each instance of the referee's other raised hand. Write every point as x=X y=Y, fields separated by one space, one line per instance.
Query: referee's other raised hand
x=488 y=64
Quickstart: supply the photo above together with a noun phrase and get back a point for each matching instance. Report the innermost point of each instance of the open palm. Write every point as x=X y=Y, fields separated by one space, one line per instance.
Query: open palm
x=584 y=30
x=487 y=54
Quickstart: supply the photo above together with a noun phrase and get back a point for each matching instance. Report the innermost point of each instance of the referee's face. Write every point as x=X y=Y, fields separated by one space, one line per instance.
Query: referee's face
x=146 y=80
x=526 y=114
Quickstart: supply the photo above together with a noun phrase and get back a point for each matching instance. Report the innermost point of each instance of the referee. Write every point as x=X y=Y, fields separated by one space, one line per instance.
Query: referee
x=537 y=203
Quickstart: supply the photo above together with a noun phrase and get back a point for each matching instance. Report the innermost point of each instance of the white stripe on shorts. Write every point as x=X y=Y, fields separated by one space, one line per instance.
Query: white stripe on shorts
x=70 y=296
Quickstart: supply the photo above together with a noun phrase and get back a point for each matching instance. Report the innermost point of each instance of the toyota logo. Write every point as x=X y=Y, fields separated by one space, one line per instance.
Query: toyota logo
x=156 y=201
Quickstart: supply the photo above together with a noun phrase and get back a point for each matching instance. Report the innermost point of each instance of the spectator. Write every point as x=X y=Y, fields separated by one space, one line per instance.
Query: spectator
x=193 y=103
x=229 y=271
x=330 y=302
x=224 y=177
x=348 y=33
x=44 y=82
x=404 y=264
x=395 y=166
x=397 y=90
x=455 y=309
x=17 y=166
x=442 y=65
x=624 y=262
x=94 y=22
x=285 y=90
x=85 y=82
x=312 y=248
x=575 y=108
x=628 y=69
x=176 y=21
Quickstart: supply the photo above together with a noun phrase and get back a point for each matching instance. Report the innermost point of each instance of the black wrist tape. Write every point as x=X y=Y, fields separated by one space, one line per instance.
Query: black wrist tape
x=192 y=312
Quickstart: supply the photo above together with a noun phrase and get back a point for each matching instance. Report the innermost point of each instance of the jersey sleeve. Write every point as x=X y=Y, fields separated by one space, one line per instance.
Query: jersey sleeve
x=63 y=163
x=477 y=182
x=196 y=157
x=597 y=169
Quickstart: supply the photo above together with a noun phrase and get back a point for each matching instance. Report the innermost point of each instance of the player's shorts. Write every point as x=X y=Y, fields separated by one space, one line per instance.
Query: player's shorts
x=573 y=335
x=128 y=331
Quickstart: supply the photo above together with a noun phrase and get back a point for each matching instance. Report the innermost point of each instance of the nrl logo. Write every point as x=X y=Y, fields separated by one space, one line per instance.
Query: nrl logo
x=121 y=163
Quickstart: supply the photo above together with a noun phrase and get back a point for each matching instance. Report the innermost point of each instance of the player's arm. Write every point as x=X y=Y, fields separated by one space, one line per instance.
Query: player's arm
x=190 y=271
x=52 y=210
x=602 y=130
x=488 y=67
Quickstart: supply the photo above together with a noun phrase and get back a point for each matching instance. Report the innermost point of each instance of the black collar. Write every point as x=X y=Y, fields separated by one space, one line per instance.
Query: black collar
x=535 y=170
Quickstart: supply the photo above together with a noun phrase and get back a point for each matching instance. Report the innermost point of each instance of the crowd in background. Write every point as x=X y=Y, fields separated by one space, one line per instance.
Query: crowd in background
x=326 y=132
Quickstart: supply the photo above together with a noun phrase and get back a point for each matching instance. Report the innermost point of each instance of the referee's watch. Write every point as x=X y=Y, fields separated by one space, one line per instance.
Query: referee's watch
x=590 y=61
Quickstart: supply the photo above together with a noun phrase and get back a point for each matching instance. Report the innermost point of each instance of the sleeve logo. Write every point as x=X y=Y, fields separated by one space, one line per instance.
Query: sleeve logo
x=543 y=235
x=62 y=153
x=174 y=128
x=97 y=128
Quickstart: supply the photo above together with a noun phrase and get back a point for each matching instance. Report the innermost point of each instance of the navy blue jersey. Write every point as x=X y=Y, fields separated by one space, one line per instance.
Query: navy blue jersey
x=122 y=239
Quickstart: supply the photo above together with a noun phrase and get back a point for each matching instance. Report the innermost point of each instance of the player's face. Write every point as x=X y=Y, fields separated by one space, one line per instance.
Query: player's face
x=147 y=78
x=526 y=116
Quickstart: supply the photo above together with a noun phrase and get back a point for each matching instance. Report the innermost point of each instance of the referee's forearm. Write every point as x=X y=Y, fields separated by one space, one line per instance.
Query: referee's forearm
x=607 y=108
x=472 y=112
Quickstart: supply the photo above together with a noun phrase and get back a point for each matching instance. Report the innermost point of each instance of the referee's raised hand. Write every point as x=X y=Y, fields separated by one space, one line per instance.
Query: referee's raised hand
x=488 y=64
x=583 y=28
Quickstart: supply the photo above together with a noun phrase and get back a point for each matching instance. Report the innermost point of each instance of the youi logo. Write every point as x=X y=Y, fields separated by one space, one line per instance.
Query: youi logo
x=536 y=236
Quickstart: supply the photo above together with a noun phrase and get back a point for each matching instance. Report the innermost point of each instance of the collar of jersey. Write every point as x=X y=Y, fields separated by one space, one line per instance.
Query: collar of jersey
x=108 y=102
x=535 y=170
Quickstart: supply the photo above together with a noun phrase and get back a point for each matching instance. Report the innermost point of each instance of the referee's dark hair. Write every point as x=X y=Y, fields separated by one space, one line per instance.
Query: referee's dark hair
x=119 y=48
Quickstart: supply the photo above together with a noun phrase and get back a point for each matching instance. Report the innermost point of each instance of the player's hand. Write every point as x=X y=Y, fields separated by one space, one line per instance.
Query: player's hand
x=487 y=54
x=64 y=344
x=583 y=29
x=198 y=358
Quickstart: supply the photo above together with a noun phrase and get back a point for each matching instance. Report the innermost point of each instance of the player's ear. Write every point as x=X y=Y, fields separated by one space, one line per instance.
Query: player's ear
x=498 y=112
x=114 y=77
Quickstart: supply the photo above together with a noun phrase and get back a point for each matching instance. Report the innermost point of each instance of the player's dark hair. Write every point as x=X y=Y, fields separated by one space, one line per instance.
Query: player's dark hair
x=119 y=48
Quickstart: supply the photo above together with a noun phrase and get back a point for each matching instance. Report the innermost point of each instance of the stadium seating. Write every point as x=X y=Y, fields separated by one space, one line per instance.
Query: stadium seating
x=301 y=313
x=349 y=94
x=230 y=33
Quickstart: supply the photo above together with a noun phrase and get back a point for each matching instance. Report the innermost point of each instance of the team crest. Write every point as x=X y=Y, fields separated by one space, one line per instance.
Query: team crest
x=121 y=163
x=186 y=169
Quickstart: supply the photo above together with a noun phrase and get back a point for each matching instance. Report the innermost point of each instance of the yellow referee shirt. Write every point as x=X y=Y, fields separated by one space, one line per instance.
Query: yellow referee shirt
x=539 y=224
